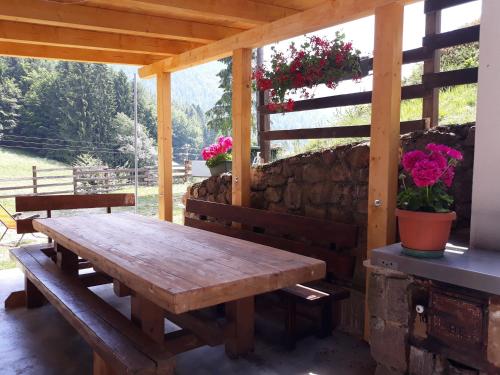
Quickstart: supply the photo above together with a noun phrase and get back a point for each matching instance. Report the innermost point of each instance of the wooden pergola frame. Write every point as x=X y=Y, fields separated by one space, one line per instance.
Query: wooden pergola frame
x=170 y=35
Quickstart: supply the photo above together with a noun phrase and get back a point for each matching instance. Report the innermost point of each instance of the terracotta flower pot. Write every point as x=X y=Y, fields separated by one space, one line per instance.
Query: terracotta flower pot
x=424 y=234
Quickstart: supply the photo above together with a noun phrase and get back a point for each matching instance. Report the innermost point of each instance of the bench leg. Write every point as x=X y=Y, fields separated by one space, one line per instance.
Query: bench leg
x=326 y=320
x=101 y=367
x=291 y=324
x=241 y=316
x=34 y=298
x=15 y=300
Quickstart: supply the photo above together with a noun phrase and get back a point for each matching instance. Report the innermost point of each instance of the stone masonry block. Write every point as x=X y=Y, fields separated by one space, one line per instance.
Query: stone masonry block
x=422 y=362
x=494 y=332
x=397 y=300
x=383 y=370
x=389 y=344
x=377 y=301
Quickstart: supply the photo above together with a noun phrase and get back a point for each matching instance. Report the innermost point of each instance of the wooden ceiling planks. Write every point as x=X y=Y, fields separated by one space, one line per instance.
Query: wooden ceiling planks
x=22 y=32
x=136 y=32
x=326 y=14
x=244 y=14
x=75 y=54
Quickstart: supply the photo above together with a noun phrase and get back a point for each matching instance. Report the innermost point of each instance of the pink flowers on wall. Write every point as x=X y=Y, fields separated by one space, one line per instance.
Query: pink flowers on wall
x=218 y=152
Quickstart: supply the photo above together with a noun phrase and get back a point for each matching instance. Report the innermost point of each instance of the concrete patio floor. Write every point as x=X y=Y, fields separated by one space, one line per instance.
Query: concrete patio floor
x=40 y=342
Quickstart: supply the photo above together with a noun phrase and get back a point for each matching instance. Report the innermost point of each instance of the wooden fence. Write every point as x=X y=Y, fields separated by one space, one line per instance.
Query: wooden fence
x=83 y=180
x=432 y=81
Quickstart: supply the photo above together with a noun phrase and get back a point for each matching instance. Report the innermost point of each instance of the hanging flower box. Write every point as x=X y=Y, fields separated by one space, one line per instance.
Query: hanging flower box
x=317 y=61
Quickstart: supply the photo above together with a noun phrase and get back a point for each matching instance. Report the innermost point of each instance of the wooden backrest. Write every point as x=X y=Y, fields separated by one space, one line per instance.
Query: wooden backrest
x=71 y=202
x=6 y=218
x=299 y=234
x=50 y=203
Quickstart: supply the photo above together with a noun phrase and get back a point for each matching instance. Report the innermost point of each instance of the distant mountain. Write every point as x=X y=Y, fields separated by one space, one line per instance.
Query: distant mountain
x=198 y=85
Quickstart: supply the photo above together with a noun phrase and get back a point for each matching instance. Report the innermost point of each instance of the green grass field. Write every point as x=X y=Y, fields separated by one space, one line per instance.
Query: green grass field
x=18 y=165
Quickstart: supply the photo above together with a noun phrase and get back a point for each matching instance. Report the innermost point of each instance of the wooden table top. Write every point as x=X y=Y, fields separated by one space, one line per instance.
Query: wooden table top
x=178 y=267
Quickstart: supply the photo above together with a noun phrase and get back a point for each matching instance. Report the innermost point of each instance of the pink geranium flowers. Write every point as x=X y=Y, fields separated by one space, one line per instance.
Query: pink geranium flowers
x=433 y=166
x=218 y=152
x=432 y=171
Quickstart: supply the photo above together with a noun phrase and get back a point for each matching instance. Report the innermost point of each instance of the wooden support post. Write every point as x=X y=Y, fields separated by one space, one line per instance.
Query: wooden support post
x=35 y=187
x=241 y=110
x=263 y=119
x=430 y=107
x=240 y=314
x=384 y=143
x=75 y=180
x=164 y=108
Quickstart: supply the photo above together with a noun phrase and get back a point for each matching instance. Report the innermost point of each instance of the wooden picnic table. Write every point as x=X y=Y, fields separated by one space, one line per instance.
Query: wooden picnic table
x=172 y=270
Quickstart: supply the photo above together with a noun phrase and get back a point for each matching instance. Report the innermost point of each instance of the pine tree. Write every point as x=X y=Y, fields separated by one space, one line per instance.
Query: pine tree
x=220 y=115
x=9 y=100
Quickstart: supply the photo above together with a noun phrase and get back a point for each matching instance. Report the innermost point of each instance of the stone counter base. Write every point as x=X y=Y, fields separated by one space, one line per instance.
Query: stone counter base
x=394 y=326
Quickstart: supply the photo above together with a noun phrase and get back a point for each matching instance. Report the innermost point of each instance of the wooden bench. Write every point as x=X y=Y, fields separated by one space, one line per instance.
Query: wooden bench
x=49 y=203
x=315 y=238
x=119 y=346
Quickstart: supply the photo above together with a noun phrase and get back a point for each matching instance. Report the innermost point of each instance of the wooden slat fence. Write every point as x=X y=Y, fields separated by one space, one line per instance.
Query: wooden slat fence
x=431 y=82
x=83 y=180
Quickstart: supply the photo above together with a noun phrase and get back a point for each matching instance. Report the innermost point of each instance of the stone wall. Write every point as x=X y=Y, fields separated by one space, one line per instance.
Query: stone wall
x=333 y=185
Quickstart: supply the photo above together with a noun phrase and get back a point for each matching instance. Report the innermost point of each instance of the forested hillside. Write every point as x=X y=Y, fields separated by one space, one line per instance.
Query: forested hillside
x=73 y=111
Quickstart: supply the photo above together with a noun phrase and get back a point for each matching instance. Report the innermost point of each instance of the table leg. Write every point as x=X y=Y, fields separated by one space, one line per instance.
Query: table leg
x=240 y=314
x=67 y=260
x=148 y=316
x=151 y=319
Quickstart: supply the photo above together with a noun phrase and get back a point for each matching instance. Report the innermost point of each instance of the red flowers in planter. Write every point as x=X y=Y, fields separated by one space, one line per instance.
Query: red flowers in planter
x=318 y=61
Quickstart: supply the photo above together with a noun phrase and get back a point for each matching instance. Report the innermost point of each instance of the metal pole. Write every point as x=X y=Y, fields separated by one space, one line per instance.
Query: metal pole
x=136 y=161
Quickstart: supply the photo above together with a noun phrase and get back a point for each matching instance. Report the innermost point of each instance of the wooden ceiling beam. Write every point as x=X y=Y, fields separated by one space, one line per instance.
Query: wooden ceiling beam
x=327 y=14
x=21 y=32
x=233 y=10
x=91 y=18
x=75 y=54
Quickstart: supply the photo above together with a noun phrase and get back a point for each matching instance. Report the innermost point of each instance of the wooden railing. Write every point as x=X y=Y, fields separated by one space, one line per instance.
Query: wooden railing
x=431 y=81
x=83 y=180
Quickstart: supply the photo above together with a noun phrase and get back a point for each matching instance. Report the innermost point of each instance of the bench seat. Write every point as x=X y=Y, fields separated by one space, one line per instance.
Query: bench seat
x=303 y=235
x=114 y=338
